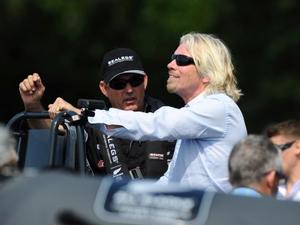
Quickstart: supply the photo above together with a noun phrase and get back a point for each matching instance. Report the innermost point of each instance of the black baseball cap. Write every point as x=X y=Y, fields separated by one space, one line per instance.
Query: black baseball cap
x=120 y=61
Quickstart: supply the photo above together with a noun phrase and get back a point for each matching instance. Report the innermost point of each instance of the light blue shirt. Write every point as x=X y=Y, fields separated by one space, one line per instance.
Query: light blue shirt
x=206 y=129
x=245 y=191
x=294 y=193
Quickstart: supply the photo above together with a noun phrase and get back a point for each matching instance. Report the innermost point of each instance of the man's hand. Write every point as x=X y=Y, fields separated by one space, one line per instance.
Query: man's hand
x=61 y=105
x=32 y=90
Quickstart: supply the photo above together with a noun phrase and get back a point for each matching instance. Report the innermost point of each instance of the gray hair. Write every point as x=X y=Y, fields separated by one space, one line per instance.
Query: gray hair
x=8 y=155
x=213 y=60
x=251 y=159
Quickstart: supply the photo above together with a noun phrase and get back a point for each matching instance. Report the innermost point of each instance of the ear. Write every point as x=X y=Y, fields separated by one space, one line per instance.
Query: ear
x=145 y=81
x=270 y=176
x=103 y=87
x=205 y=80
x=296 y=145
x=271 y=179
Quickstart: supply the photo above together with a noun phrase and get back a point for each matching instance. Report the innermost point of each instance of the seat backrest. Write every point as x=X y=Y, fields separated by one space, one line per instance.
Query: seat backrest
x=37 y=149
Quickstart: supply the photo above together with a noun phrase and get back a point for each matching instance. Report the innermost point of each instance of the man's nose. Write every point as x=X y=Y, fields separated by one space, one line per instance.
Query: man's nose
x=172 y=64
x=128 y=87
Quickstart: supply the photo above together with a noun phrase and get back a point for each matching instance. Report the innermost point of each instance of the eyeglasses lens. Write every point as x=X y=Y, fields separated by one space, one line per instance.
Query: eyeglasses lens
x=285 y=146
x=182 y=60
x=119 y=84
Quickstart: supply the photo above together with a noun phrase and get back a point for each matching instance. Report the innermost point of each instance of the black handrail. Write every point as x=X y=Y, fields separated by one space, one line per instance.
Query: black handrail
x=15 y=125
x=64 y=119
x=81 y=149
x=56 y=122
x=26 y=115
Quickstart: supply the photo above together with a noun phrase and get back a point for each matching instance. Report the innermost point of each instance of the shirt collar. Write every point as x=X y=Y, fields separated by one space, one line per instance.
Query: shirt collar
x=196 y=99
x=246 y=191
x=295 y=189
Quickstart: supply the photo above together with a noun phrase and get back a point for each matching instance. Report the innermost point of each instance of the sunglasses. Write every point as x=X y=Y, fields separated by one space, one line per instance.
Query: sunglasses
x=182 y=60
x=119 y=84
x=285 y=146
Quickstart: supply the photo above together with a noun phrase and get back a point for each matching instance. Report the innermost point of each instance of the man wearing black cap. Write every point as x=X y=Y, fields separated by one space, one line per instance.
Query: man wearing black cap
x=119 y=68
x=124 y=83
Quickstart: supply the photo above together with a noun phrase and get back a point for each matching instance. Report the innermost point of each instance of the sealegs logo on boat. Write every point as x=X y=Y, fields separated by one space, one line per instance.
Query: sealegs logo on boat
x=120 y=59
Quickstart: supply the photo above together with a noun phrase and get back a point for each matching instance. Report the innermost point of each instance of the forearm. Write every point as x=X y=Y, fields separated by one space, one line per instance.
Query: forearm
x=37 y=123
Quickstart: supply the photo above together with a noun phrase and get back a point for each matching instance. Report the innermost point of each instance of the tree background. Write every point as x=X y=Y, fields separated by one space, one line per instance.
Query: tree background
x=64 y=42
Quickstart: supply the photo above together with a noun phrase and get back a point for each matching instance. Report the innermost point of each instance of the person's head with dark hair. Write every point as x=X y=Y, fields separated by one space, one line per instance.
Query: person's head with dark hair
x=255 y=163
x=123 y=80
x=286 y=137
x=288 y=129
